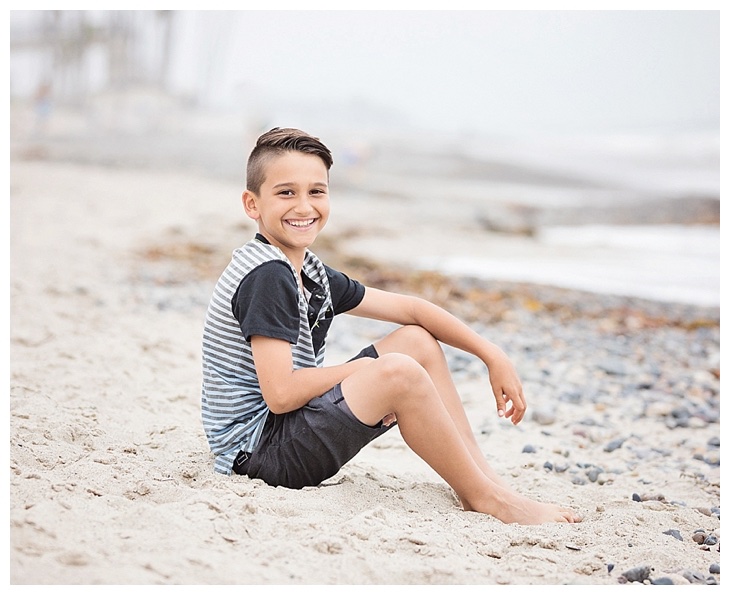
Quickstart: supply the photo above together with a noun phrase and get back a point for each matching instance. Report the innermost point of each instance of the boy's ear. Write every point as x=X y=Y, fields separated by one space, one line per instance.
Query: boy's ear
x=250 y=205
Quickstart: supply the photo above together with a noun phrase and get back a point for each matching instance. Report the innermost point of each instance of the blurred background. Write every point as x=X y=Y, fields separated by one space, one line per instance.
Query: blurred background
x=578 y=148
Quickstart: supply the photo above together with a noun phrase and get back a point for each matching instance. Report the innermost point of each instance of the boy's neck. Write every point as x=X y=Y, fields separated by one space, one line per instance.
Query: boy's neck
x=295 y=256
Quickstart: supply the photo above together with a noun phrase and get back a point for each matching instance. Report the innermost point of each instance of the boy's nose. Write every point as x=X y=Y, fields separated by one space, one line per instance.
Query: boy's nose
x=303 y=207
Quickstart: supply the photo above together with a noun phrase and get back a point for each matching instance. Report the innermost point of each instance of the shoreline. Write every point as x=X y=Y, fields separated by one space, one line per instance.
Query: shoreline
x=594 y=216
x=478 y=294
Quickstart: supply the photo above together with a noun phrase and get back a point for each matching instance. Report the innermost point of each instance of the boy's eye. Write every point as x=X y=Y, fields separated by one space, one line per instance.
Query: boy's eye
x=285 y=193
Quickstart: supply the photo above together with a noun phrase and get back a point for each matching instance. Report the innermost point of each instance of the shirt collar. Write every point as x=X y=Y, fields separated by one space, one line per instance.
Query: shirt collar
x=306 y=274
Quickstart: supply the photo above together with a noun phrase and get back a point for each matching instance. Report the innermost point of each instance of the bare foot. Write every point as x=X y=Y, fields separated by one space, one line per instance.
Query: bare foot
x=510 y=507
x=530 y=512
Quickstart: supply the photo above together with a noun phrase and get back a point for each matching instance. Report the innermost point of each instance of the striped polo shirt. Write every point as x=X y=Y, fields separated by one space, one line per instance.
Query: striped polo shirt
x=233 y=409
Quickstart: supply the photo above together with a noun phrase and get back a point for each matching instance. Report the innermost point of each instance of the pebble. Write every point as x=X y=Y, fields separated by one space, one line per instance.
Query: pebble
x=614 y=444
x=710 y=540
x=674 y=533
x=545 y=416
x=665 y=580
x=697 y=422
x=680 y=413
x=647 y=497
x=714 y=569
x=660 y=408
x=638 y=574
x=693 y=577
x=712 y=458
x=593 y=473
x=574 y=397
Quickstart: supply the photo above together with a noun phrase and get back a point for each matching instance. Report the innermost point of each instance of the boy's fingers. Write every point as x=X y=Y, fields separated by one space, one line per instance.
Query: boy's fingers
x=520 y=408
x=501 y=404
x=517 y=407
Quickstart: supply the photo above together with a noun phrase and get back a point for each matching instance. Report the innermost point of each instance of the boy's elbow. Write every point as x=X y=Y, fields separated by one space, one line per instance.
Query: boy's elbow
x=277 y=408
x=276 y=402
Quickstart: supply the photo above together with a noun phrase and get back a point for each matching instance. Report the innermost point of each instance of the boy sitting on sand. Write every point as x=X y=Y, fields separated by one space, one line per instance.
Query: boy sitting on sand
x=272 y=411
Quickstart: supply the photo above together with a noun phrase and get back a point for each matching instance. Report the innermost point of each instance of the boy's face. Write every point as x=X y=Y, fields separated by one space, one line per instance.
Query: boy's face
x=292 y=206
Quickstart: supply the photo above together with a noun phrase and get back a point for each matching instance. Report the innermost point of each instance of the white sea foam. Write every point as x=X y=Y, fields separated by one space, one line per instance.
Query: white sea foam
x=664 y=263
x=679 y=263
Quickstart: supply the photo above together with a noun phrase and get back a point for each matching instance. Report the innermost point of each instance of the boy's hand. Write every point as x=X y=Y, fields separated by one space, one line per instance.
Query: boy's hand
x=507 y=388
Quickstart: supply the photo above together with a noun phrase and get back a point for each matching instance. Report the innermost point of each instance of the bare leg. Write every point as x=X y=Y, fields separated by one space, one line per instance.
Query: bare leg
x=421 y=346
x=406 y=389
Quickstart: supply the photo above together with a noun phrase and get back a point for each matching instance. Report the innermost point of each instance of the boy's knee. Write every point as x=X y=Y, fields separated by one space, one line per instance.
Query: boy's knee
x=400 y=372
x=424 y=344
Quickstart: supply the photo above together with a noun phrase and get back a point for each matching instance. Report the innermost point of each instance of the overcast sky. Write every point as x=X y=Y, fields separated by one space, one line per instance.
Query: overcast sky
x=500 y=71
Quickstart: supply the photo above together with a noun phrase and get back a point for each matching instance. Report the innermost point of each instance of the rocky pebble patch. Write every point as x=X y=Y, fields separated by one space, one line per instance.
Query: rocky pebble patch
x=648 y=373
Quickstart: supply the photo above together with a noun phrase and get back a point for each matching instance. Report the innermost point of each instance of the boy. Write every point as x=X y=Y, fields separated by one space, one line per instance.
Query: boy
x=271 y=410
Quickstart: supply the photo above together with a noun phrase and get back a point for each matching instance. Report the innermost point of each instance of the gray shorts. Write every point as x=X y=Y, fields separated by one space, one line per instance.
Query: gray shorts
x=306 y=446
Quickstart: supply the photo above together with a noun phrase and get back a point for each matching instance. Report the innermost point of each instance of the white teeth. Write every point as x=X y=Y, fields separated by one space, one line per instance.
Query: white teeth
x=301 y=223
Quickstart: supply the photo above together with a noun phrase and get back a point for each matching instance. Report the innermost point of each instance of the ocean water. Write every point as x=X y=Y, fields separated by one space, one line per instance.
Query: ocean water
x=613 y=245
x=664 y=263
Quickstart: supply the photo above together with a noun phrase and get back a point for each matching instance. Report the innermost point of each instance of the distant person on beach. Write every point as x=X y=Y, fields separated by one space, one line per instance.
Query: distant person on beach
x=43 y=102
x=271 y=409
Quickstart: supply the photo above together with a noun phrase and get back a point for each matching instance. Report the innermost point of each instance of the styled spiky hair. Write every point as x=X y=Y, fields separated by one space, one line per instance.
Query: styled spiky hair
x=276 y=142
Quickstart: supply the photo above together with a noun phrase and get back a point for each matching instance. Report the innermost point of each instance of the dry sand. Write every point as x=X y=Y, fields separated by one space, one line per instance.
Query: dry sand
x=111 y=479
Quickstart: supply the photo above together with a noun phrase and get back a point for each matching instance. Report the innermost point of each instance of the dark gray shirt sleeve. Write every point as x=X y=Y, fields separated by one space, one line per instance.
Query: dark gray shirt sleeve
x=346 y=293
x=266 y=303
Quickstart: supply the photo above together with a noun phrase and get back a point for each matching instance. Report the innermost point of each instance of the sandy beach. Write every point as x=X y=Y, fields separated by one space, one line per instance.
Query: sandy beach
x=111 y=478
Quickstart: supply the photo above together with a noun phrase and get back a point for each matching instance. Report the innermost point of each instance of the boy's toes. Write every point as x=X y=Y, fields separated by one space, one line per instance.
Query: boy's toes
x=571 y=516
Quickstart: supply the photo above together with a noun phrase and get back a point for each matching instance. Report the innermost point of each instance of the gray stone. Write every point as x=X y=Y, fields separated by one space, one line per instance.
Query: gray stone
x=637 y=574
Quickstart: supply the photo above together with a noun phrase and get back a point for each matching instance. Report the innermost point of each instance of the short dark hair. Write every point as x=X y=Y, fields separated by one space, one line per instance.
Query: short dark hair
x=275 y=142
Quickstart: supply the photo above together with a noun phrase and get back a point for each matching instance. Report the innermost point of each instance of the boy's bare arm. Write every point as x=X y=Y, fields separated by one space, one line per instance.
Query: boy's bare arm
x=445 y=327
x=285 y=389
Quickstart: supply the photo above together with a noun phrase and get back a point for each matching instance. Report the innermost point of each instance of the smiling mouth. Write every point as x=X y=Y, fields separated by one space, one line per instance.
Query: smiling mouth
x=300 y=223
